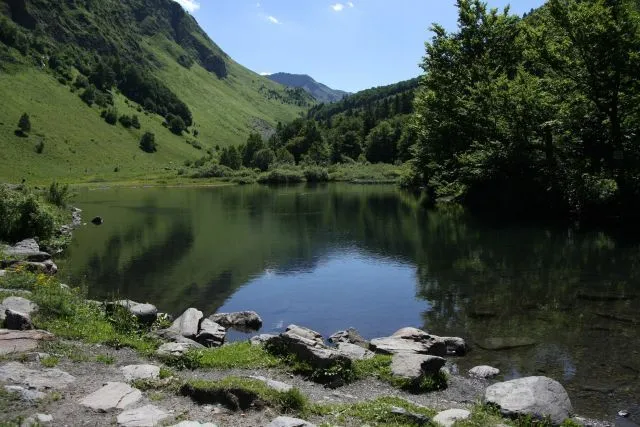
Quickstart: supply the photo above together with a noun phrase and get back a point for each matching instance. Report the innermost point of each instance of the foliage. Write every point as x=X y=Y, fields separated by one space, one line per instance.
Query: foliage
x=24 y=124
x=249 y=150
x=24 y=215
x=111 y=116
x=176 y=124
x=230 y=157
x=148 y=143
x=241 y=355
x=316 y=174
x=537 y=113
x=379 y=412
x=281 y=176
x=58 y=194
x=263 y=159
x=50 y=361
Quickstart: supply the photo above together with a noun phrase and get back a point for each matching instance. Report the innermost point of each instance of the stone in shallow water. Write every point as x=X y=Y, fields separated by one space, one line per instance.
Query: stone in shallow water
x=146 y=416
x=242 y=320
x=450 y=416
x=505 y=343
x=140 y=372
x=410 y=340
x=44 y=379
x=112 y=396
x=484 y=371
x=538 y=397
x=289 y=422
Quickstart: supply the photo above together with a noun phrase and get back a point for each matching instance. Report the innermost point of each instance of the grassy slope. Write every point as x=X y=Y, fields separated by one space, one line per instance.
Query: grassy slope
x=80 y=146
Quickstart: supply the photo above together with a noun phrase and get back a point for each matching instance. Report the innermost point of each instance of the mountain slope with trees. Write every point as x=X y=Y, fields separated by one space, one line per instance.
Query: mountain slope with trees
x=321 y=92
x=74 y=66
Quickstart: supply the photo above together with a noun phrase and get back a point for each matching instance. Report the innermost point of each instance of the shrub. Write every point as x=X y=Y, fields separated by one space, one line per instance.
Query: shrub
x=81 y=82
x=213 y=171
x=23 y=216
x=281 y=176
x=58 y=194
x=39 y=148
x=230 y=157
x=316 y=174
x=148 y=143
x=135 y=123
x=126 y=121
x=264 y=158
x=176 y=124
x=89 y=95
x=103 y=99
x=111 y=116
x=24 y=124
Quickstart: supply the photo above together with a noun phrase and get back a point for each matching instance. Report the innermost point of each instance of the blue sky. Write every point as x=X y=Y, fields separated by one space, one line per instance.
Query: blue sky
x=349 y=45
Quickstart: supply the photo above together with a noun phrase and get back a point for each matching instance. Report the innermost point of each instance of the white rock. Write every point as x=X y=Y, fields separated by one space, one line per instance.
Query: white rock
x=140 y=372
x=146 y=416
x=353 y=351
x=450 y=416
x=112 y=396
x=484 y=371
x=43 y=379
x=289 y=422
x=176 y=348
x=276 y=385
x=25 y=394
x=188 y=324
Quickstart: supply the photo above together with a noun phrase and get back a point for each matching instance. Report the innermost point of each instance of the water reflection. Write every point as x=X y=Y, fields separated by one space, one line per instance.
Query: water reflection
x=335 y=256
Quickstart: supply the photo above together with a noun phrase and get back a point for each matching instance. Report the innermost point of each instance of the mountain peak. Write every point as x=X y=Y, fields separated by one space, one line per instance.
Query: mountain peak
x=319 y=91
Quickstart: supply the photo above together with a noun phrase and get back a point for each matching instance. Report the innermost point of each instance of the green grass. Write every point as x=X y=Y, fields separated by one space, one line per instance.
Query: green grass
x=366 y=173
x=380 y=367
x=50 y=361
x=376 y=412
x=106 y=359
x=236 y=355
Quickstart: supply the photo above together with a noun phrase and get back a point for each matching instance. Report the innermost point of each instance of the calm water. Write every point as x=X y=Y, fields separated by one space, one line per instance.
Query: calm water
x=335 y=256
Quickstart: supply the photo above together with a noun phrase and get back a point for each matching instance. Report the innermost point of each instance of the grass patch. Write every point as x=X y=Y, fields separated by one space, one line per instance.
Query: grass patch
x=365 y=173
x=488 y=415
x=235 y=355
x=282 y=176
x=106 y=359
x=377 y=412
x=50 y=361
x=380 y=367
x=244 y=393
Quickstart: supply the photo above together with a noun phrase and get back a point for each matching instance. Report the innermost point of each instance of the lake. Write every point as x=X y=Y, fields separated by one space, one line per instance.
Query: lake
x=334 y=256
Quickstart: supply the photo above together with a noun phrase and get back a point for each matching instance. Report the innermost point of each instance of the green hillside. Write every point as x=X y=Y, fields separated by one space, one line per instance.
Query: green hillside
x=150 y=50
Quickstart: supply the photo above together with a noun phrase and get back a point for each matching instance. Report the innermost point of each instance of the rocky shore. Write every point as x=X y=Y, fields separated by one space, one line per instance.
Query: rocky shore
x=190 y=376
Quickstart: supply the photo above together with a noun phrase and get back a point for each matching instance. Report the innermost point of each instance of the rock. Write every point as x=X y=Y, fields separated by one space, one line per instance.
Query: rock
x=289 y=422
x=177 y=348
x=44 y=379
x=25 y=394
x=47 y=267
x=456 y=346
x=28 y=250
x=145 y=313
x=244 y=321
x=415 y=366
x=276 y=385
x=536 y=396
x=112 y=396
x=353 y=351
x=18 y=304
x=15 y=291
x=140 y=372
x=350 y=336
x=3 y=273
x=97 y=220
x=37 y=420
x=188 y=324
x=261 y=339
x=505 y=343
x=623 y=414
x=211 y=334
x=306 y=333
x=14 y=320
x=410 y=340
x=21 y=341
x=308 y=346
x=417 y=419
x=484 y=372
x=146 y=416
x=450 y=416
x=194 y=424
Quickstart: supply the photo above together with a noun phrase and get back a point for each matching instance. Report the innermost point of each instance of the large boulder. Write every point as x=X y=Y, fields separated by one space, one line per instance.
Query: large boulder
x=17 y=304
x=410 y=340
x=113 y=395
x=188 y=324
x=350 y=336
x=244 y=321
x=17 y=321
x=145 y=313
x=28 y=250
x=414 y=366
x=538 y=397
x=211 y=334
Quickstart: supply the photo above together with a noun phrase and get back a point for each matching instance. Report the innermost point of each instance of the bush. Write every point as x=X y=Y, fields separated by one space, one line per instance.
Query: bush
x=263 y=159
x=176 y=124
x=126 y=121
x=58 y=194
x=39 y=148
x=316 y=174
x=81 y=82
x=213 y=171
x=111 y=116
x=89 y=95
x=23 y=216
x=230 y=157
x=135 y=123
x=148 y=143
x=281 y=176
x=24 y=124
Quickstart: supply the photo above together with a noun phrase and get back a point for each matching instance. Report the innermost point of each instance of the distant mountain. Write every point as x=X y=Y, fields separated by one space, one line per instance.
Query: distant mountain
x=320 y=92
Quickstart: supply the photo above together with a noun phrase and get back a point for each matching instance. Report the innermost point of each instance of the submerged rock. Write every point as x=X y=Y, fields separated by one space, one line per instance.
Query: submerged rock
x=410 y=340
x=484 y=372
x=505 y=343
x=538 y=397
x=97 y=220
x=244 y=321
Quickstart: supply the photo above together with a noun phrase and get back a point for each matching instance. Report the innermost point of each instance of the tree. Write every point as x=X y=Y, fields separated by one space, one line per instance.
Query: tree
x=381 y=144
x=135 y=122
x=264 y=158
x=110 y=116
x=176 y=124
x=230 y=157
x=24 y=124
x=89 y=95
x=148 y=143
x=253 y=145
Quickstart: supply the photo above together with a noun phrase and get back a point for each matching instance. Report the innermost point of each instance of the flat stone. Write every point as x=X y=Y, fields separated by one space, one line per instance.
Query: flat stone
x=410 y=340
x=194 y=424
x=273 y=384
x=241 y=320
x=44 y=379
x=415 y=366
x=19 y=304
x=187 y=324
x=140 y=372
x=261 y=339
x=25 y=394
x=211 y=334
x=17 y=321
x=505 y=343
x=114 y=395
x=289 y=422
x=37 y=420
x=306 y=333
x=538 y=397
x=146 y=416
x=350 y=336
x=354 y=351
x=450 y=416
x=21 y=341
x=484 y=371
x=177 y=348
x=308 y=346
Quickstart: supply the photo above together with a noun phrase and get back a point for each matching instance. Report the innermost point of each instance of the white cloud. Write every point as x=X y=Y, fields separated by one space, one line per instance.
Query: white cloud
x=264 y=73
x=350 y=4
x=337 y=7
x=190 y=5
x=273 y=19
